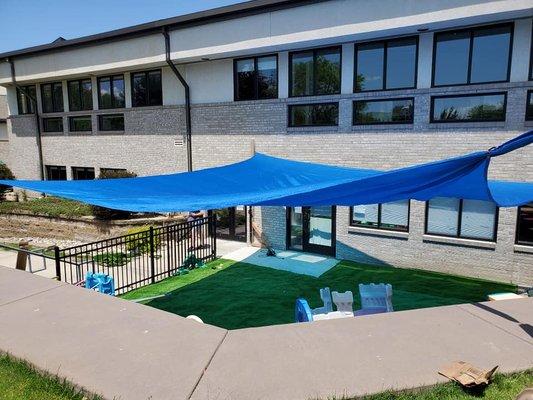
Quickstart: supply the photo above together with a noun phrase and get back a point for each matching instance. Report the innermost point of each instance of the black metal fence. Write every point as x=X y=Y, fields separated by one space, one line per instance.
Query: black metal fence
x=141 y=258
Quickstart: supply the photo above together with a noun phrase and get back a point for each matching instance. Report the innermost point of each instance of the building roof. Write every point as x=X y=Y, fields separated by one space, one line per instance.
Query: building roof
x=182 y=21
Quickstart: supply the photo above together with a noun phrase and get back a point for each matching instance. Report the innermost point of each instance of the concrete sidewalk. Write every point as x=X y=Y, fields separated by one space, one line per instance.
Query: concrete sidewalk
x=129 y=351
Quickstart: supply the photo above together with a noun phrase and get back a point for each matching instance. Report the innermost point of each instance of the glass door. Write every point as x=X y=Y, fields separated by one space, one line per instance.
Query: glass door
x=231 y=223
x=311 y=229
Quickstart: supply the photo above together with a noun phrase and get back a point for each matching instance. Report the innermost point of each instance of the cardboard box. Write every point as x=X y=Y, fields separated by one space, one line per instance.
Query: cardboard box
x=466 y=374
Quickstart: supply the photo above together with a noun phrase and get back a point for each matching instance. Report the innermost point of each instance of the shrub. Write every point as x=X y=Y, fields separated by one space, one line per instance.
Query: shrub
x=140 y=243
x=106 y=214
x=5 y=173
x=111 y=259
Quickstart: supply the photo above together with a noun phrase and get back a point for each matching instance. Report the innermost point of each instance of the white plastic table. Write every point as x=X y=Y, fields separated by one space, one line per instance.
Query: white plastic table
x=333 y=315
x=504 y=296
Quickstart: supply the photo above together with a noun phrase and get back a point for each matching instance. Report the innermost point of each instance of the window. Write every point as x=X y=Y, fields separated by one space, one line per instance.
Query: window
x=25 y=104
x=52 y=97
x=388 y=216
x=386 y=65
x=53 y=124
x=524 y=228
x=111 y=92
x=113 y=122
x=56 y=173
x=80 y=95
x=326 y=114
x=3 y=130
x=112 y=170
x=80 y=123
x=471 y=219
x=146 y=89
x=315 y=72
x=395 y=111
x=471 y=56
x=529 y=106
x=469 y=108
x=82 y=173
x=256 y=78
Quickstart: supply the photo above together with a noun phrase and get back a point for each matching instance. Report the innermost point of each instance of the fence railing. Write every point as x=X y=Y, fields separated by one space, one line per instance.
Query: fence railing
x=141 y=258
x=31 y=260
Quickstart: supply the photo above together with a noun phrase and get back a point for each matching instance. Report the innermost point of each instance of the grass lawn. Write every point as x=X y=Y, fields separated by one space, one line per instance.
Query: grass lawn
x=49 y=206
x=20 y=381
x=239 y=295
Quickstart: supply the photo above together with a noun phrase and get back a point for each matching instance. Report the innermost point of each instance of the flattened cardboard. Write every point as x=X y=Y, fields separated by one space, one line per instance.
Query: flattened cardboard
x=466 y=374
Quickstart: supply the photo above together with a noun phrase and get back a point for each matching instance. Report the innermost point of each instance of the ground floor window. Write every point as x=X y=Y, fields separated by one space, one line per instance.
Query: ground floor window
x=326 y=114
x=82 y=173
x=53 y=124
x=80 y=124
x=524 y=229
x=469 y=108
x=114 y=122
x=469 y=219
x=56 y=173
x=389 y=216
x=394 y=111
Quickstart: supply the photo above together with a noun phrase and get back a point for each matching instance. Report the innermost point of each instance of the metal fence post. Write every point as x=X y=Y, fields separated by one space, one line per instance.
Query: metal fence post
x=213 y=224
x=152 y=257
x=58 y=263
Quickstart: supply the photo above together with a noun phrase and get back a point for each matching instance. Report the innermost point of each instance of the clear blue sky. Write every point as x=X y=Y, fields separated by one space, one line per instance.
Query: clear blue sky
x=26 y=23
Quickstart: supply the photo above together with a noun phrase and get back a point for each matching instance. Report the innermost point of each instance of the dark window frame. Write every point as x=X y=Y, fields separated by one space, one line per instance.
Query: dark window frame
x=111 y=91
x=145 y=73
x=530 y=77
x=109 y=115
x=85 y=170
x=61 y=168
x=289 y=122
x=256 y=81
x=493 y=239
x=71 y=118
x=351 y=223
x=79 y=94
x=43 y=125
x=29 y=103
x=455 y=121
x=529 y=98
x=470 y=51
x=517 y=229
x=54 y=110
x=314 y=50
x=373 y=100
x=385 y=46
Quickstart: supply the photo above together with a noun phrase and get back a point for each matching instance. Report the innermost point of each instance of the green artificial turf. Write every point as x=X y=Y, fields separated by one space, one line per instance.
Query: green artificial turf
x=20 y=381
x=239 y=295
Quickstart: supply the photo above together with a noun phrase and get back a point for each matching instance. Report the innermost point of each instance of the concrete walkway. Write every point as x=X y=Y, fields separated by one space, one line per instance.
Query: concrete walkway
x=128 y=351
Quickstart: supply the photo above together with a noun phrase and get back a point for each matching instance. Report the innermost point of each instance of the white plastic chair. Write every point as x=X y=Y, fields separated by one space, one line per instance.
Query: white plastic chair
x=376 y=298
x=343 y=301
x=325 y=295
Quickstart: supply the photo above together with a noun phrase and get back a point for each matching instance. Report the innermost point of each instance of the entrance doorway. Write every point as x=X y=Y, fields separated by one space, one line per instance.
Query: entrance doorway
x=231 y=223
x=311 y=229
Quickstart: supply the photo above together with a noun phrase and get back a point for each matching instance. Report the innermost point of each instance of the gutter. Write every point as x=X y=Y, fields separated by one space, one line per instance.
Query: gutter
x=37 y=118
x=188 y=130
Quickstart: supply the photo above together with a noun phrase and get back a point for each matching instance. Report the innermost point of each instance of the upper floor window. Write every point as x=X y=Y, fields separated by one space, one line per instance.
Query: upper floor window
x=52 y=97
x=82 y=173
x=394 y=111
x=386 y=65
x=56 y=173
x=80 y=95
x=146 y=89
x=24 y=102
x=529 y=106
x=479 y=55
x=388 y=216
x=256 y=78
x=315 y=72
x=326 y=114
x=111 y=92
x=524 y=228
x=469 y=108
x=470 y=219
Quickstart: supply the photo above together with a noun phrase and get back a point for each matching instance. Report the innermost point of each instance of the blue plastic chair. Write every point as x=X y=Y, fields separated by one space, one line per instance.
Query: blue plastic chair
x=100 y=282
x=302 y=311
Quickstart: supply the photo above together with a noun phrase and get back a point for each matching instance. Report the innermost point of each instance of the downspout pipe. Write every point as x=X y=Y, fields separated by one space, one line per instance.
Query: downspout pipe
x=36 y=112
x=188 y=130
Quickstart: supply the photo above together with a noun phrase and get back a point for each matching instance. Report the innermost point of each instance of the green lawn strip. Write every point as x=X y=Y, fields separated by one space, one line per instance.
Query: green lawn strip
x=241 y=295
x=503 y=387
x=20 y=381
x=48 y=206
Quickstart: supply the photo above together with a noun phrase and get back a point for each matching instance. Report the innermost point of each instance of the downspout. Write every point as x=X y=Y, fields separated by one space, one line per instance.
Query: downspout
x=188 y=136
x=37 y=119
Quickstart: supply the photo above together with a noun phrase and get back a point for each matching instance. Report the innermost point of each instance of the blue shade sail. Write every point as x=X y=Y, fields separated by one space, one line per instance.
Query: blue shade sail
x=266 y=180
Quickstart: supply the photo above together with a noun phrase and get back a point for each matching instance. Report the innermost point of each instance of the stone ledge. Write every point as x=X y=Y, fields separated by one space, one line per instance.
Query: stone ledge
x=480 y=244
x=520 y=248
x=378 y=232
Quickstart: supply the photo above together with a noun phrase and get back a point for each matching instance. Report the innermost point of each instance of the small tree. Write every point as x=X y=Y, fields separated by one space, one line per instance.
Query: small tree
x=106 y=214
x=5 y=173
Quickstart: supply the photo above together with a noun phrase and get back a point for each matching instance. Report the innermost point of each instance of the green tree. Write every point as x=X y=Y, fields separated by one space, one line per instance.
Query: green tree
x=103 y=213
x=5 y=174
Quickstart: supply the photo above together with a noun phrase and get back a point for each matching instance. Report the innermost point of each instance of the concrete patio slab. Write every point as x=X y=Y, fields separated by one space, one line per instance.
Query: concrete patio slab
x=109 y=346
x=356 y=356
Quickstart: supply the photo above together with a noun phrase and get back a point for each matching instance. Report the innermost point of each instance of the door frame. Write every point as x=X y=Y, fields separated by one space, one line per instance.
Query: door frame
x=306 y=246
x=232 y=226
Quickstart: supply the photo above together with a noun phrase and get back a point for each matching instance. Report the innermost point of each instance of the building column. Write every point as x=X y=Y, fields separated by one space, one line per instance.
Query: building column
x=521 y=50
x=127 y=89
x=347 y=68
x=283 y=75
x=425 y=60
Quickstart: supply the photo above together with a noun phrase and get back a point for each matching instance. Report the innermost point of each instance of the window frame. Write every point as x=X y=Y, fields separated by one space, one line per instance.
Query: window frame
x=384 y=71
x=85 y=169
x=529 y=98
x=493 y=239
x=471 y=31
x=351 y=223
x=314 y=50
x=42 y=85
x=256 y=81
x=145 y=73
x=43 y=125
x=460 y=95
x=517 y=228
x=110 y=115
x=374 y=100
x=29 y=103
x=62 y=168
x=79 y=94
x=72 y=117
x=289 y=122
x=111 y=90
